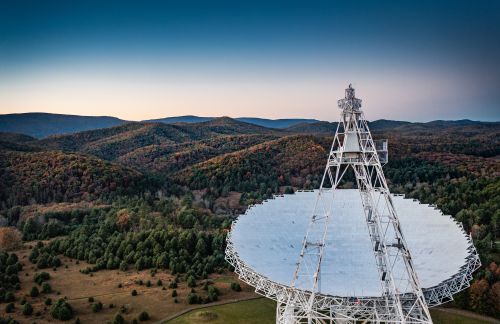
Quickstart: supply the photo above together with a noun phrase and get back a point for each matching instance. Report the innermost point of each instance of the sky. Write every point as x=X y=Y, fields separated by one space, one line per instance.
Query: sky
x=138 y=60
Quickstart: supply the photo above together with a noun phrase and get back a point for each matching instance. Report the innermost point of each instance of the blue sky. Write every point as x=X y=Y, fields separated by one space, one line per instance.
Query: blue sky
x=137 y=60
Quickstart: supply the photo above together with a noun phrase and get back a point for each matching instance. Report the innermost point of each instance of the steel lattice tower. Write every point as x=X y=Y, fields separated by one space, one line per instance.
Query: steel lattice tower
x=402 y=300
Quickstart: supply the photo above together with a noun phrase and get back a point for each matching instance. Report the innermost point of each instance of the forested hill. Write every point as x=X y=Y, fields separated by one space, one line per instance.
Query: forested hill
x=44 y=177
x=41 y=125
x=44 y=124
x=131 y=141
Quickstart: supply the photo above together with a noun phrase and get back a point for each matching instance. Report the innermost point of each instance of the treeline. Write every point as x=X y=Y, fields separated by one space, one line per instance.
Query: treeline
x=163 y=234
x=9 y=280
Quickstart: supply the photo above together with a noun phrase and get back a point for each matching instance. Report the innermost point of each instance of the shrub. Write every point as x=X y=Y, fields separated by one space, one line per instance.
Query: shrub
x=55 y=262
x=118 y=319
x=27 y=309
x=191 y=281
x=62 y=310
x=144 y=316
x=159 y=283
x=9 y=297
x=46 y=288
x=34 y=292
x=48 y=301
x=97 y=307
x=91 y=299
x=41 y=277
x=193 y=298
x=148 y=283
x=173 y=285
x=134 y=292
x=174 y=293
x=9 y=308
x=213 y=293
x=235 y=286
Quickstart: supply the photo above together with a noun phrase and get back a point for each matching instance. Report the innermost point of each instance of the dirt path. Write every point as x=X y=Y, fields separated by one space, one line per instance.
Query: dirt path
x=187 y=310
x=467 y=314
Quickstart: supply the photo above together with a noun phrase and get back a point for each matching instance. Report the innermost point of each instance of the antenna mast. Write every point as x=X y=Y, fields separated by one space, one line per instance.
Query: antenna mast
x=402 y=300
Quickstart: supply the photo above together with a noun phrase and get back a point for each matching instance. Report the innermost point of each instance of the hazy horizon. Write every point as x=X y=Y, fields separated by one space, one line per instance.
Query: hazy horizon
x=238 y=117
x=408 y=61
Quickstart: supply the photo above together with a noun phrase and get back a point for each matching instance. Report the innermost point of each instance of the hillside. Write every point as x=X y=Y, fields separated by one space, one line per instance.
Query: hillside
x=262 y=168
x=42 y=177
x=43 y=124
x=16 y=142
x=168 y=158
x=112 y=143
x=321 y=127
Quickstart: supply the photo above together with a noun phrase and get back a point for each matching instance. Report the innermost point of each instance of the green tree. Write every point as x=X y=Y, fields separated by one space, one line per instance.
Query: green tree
x=144 y=316
x=9 y=308
x=27 y=309
x=46 y=288
x=34 y=292
x=97 y=307
x=61 y=310
x=123 y=266
x=118 y=319
x=191 y=281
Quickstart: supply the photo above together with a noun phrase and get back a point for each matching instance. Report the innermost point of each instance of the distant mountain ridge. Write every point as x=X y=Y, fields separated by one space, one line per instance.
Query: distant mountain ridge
x=45 y=124
x=41 y=125
x=264 y=122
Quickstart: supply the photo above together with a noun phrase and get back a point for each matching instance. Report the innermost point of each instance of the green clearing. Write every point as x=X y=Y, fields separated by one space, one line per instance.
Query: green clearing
x=255 y=311
x=263 y=310
x=441 y=317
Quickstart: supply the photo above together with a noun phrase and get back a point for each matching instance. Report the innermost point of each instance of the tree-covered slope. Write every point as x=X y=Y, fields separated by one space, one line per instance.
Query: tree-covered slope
x=42 y=177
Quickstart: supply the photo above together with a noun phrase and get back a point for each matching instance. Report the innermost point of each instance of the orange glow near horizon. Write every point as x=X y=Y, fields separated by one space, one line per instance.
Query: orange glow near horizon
x=394 y=96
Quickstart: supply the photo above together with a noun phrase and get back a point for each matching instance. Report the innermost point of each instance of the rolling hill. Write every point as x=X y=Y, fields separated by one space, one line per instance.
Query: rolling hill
x=43 y=124
x=264 y=122
x=43 y=177
x=134 y=141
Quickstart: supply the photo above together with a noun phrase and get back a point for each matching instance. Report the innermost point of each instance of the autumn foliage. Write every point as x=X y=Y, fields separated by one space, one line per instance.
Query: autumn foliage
x=10 y=238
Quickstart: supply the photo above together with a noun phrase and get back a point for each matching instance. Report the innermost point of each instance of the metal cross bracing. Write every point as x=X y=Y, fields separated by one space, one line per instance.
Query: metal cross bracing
x=354 y=149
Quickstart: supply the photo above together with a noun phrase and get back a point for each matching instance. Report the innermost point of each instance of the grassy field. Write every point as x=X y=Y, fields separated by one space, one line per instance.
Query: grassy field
x=113 y=289
x=262 y=310
x=255 y=311
x=442 y=317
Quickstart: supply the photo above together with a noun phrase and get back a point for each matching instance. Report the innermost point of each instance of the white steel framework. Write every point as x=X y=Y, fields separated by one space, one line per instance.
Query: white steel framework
x=402 y=300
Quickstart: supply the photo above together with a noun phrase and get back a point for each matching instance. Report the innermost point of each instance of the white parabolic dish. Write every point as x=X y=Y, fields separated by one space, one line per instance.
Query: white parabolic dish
x=267 y=240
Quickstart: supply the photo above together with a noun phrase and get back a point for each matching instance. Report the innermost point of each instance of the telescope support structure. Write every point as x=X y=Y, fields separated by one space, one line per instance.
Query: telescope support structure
x=354 y=152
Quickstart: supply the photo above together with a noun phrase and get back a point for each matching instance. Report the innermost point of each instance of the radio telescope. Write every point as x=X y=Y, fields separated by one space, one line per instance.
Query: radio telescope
x=337 y=255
